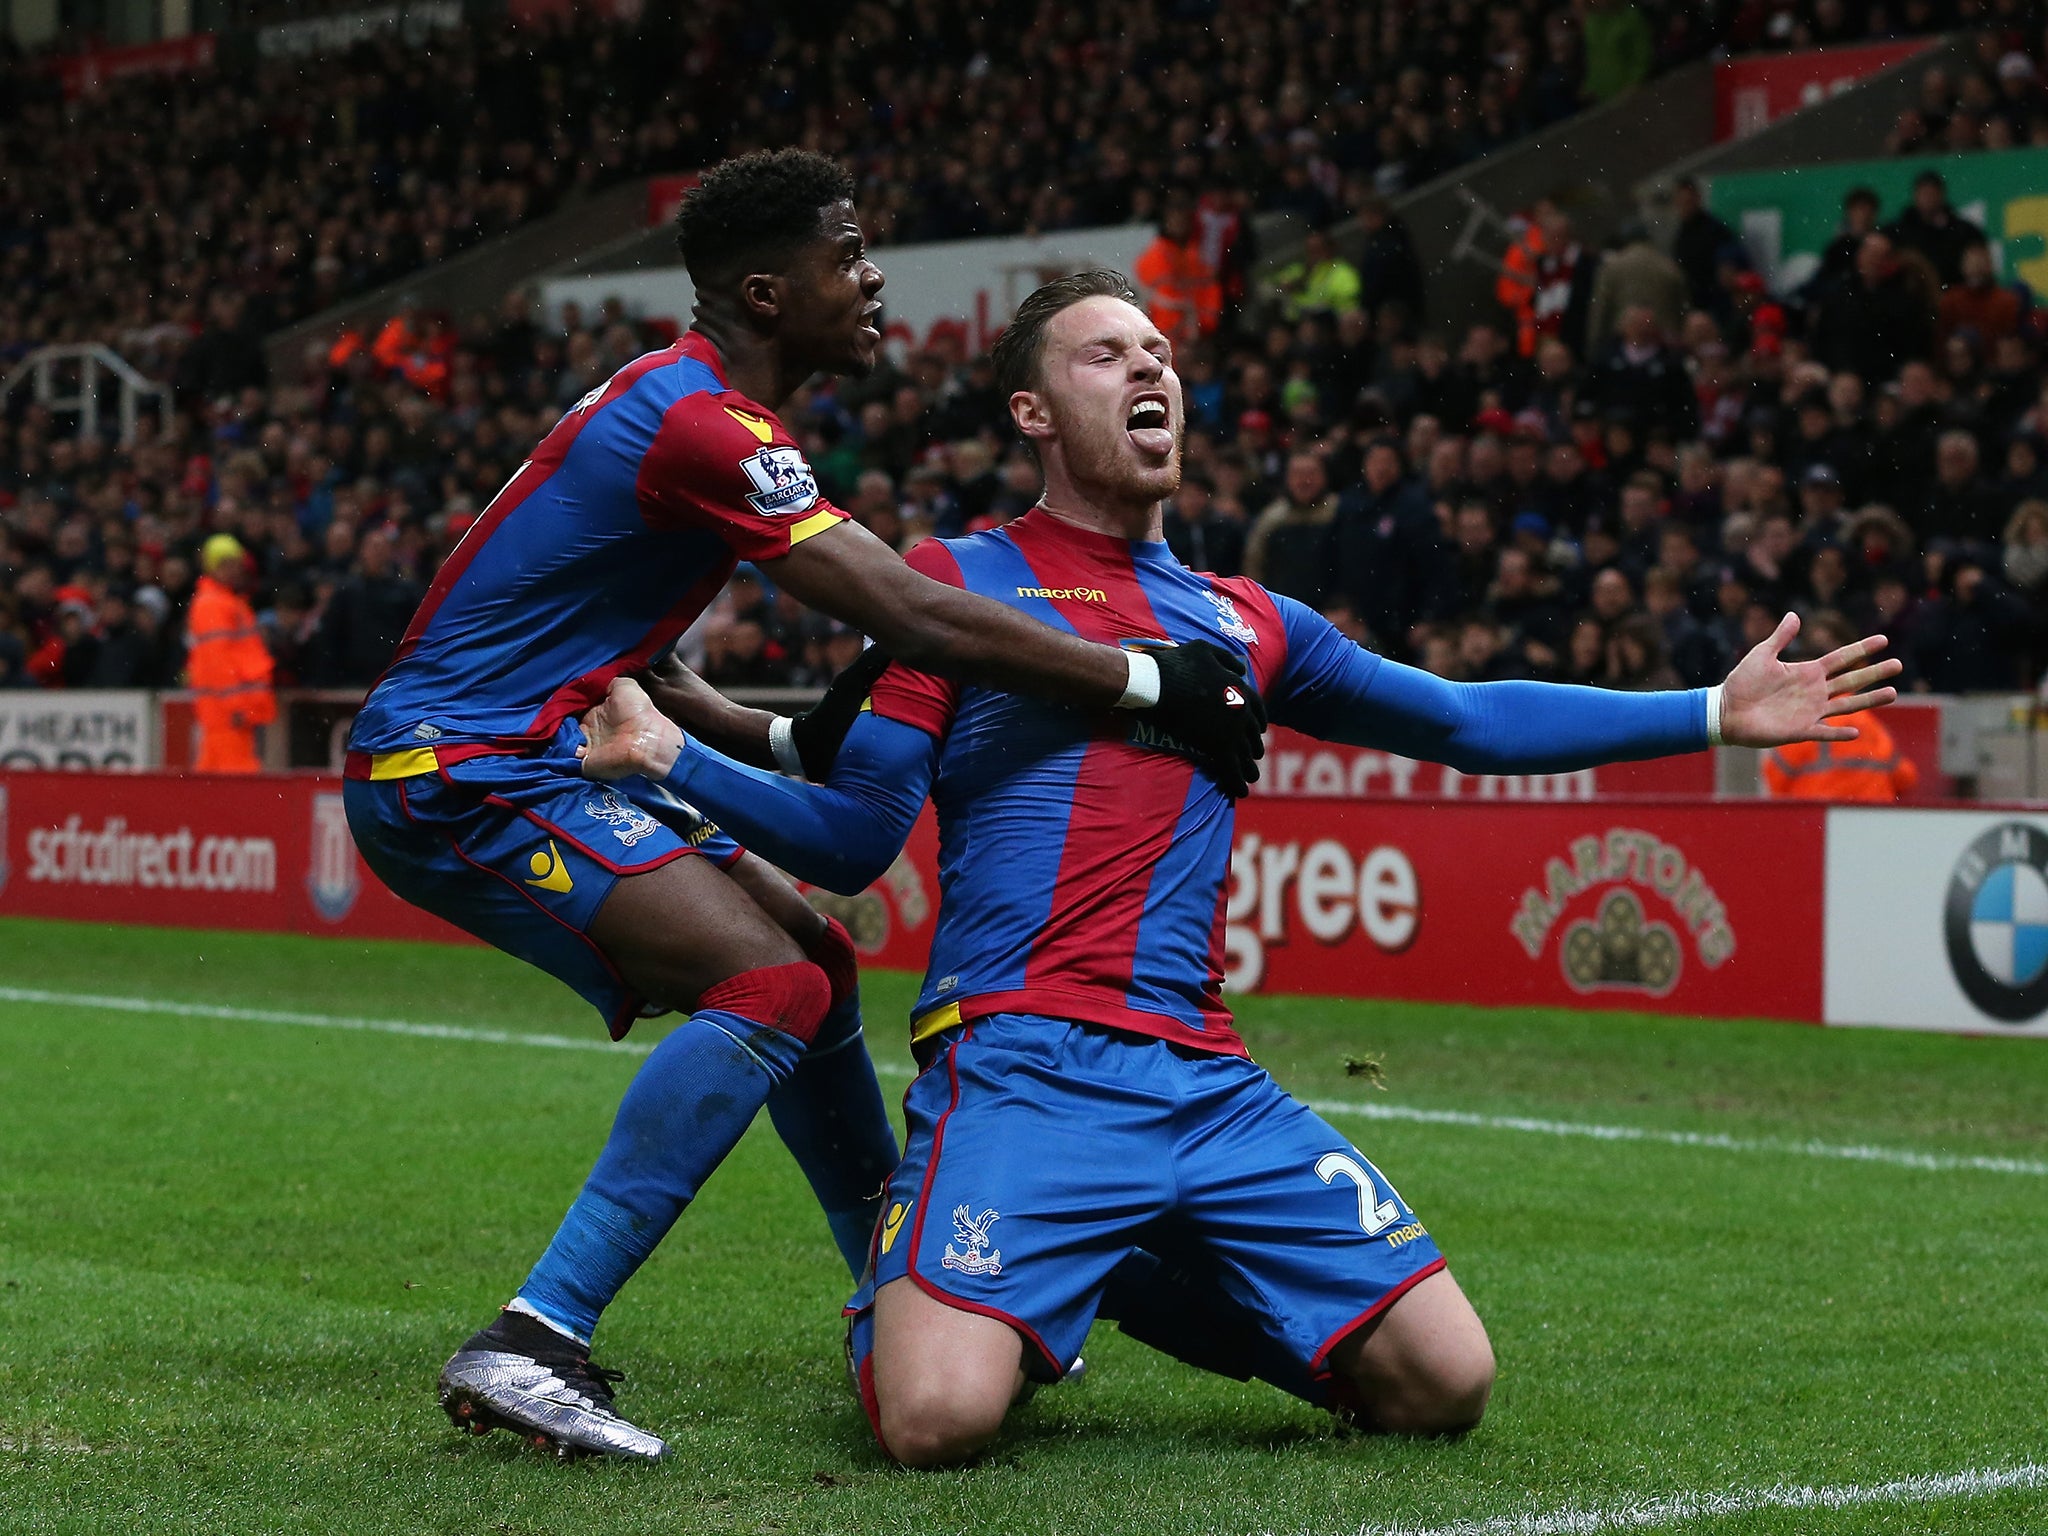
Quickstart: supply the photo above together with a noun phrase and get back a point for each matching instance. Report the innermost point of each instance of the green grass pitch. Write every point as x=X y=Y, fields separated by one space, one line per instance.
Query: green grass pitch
x=233 y=1254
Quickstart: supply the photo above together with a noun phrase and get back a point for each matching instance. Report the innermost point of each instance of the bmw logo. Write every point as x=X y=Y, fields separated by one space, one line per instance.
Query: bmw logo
x=1996 y=920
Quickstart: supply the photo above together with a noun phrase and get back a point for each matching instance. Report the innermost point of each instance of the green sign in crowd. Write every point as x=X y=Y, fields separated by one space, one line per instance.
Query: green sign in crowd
x=1787 y=218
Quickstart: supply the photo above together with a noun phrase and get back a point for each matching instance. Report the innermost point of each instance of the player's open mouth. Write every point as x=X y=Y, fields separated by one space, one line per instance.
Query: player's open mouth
x=1147 y=424
x=870 y=321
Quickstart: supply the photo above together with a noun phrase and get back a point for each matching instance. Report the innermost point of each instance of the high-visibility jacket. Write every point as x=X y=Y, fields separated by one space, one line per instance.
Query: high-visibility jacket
x=228 y=668
x=1869 y=768
x=1331 y=287
x=420 y=358
x=1515 y=289
x=1182 y=295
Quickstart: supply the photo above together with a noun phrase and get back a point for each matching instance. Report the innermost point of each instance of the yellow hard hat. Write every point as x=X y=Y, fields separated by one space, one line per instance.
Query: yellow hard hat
x=219 y=550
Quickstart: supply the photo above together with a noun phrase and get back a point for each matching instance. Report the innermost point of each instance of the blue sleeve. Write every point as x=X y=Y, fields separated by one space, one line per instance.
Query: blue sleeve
x=842 y=834
x=1339 y=691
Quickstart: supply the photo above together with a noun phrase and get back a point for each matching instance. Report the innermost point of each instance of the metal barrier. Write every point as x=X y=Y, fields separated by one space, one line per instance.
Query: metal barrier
x=39 y=370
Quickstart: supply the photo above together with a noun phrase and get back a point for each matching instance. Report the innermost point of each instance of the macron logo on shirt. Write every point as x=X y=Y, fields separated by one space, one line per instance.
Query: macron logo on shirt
x=1066 y=594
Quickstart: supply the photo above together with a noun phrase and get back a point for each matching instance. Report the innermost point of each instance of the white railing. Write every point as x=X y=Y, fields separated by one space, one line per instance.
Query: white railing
x=40 y=372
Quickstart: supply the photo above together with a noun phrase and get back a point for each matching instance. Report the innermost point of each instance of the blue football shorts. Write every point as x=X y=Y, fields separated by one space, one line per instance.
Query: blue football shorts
x=1041 y=1152
x=522 y=851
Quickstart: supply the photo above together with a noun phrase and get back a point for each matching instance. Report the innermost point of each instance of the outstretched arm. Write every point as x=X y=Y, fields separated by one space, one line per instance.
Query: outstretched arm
x=1342 y=692
x=841 y=835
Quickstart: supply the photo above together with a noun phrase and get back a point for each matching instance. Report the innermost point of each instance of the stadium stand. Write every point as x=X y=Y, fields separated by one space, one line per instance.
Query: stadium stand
x=1622 y=485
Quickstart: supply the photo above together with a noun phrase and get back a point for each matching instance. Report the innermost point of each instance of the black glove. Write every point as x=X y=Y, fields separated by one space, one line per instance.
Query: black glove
x=1207 y=701
x=819 y=730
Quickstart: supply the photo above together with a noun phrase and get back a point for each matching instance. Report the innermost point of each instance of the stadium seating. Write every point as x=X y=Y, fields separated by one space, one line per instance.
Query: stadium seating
x=1587 y=497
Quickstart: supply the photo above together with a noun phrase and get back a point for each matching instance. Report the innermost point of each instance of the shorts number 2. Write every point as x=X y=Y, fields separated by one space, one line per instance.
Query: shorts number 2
x=1374 y=1218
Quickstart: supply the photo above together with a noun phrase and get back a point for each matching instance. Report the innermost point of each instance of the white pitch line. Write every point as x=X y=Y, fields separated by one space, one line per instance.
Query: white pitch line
x=1683 y=1508
x=1895 y=1157
x=323 y=1021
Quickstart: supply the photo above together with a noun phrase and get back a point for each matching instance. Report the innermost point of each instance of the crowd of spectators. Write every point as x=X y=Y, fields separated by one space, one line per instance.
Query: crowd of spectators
x=1625 y=480
x=1998 y=101
x=1632 y=506
x=251 y=194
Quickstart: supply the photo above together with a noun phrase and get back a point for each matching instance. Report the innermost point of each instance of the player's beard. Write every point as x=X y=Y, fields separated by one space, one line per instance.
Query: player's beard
x=1105 y=464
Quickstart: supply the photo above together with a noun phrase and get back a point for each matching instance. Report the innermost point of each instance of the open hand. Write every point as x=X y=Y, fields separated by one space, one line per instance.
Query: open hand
x=1770 y=702
x=626 y=735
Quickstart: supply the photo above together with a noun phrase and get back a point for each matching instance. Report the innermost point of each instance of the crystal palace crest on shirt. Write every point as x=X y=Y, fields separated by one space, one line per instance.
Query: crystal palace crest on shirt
x=1228 y=621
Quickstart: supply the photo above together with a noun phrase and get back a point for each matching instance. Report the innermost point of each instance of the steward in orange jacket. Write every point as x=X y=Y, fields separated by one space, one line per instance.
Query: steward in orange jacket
x=1515 y=288
x=1869 y=768
x=227 y=665
x=1182 y=294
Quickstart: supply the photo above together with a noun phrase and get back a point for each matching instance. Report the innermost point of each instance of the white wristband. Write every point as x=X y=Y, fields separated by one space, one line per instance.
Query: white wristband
x=1714 y=716
x=782 y=742
x=1141 y=689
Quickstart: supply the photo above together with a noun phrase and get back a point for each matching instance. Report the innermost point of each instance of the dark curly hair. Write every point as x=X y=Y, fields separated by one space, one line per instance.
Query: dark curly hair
x=751 y=214
x=1017 y=351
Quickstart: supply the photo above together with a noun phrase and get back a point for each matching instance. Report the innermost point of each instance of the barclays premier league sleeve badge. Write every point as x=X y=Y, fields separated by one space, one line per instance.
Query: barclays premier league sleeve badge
x=782 y=481
x=1996 y=922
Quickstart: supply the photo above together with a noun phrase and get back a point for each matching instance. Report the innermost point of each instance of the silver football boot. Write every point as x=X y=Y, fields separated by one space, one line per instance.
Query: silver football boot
x=523 y=1376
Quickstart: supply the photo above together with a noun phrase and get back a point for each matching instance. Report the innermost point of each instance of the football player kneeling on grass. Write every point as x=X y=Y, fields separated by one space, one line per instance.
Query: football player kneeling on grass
x=1088 y=1136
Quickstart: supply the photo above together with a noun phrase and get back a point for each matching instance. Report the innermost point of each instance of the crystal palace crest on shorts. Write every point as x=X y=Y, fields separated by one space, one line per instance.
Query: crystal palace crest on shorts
x=628 y=822
x=971 y=1232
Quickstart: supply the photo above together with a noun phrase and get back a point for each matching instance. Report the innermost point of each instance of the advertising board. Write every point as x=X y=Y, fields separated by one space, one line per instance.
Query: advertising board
x=969 y=286
x=1298 y=766
x=270 y=853
x=1786 y=218
x=1938 y=919
x=1907 y=918
x=77 y=728
x=1755 y=90
x=91 y=71
x=1651 y=906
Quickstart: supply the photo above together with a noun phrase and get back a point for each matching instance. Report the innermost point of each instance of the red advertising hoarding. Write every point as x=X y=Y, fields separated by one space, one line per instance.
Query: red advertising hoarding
x=1302 y=767
x=665 y=196
x=1667 y=906
x=1752 y=92
x=269 y=853
x=1660 y=906
x=81 y=74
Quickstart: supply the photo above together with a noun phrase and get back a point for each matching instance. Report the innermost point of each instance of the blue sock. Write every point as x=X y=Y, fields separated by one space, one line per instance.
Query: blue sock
x=831 y=1116
x=690 y=1102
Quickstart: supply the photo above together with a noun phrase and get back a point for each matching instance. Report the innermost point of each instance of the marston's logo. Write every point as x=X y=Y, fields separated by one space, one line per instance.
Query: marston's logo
x=1621 y=947
x=1996 y=922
